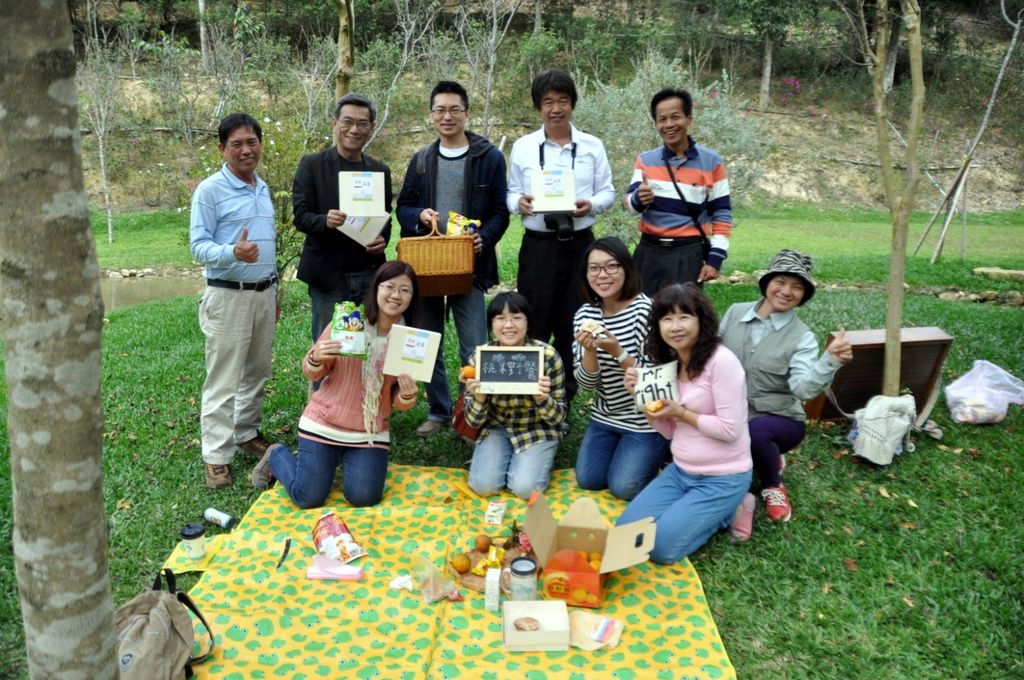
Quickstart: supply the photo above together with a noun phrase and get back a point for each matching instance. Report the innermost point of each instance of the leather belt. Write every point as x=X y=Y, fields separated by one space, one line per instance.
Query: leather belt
x=242 y=285
x=549 y=235
x=669 y=242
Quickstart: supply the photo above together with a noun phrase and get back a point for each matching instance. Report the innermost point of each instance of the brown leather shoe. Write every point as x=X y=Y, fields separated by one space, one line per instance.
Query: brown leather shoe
x=217 y=476
x=257 y=446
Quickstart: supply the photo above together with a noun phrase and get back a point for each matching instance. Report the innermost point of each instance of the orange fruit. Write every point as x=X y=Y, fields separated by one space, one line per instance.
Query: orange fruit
x=460 y=563
x=583 y=554
x=595 y=557
x=483 y=542
x=468 y=372
x=596 y=565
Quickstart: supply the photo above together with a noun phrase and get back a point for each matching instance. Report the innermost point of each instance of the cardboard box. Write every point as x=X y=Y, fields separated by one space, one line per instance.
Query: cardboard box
x=553 y=634
x=583 y=528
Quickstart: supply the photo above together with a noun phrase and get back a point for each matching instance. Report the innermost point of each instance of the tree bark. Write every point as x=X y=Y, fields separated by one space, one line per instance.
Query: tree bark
x=204 y=41
x=538 y=16
x=346 y=50
x=766 y=75
x=52 y=323
x=892 y=53
x=901 y=201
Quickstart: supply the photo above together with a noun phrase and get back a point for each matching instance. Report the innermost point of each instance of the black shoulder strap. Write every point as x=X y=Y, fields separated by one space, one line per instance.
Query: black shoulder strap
x=421 y=161
x=695 y=217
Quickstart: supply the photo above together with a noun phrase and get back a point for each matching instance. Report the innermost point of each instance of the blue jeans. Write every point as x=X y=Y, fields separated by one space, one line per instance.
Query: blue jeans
x=308 y=477
x=352 y=288
x=470 y=325
x=619 y=460
x=687 y=509
x=496 y=465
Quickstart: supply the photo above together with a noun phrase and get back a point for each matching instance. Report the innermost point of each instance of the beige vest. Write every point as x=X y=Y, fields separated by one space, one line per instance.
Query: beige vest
x=767 y=365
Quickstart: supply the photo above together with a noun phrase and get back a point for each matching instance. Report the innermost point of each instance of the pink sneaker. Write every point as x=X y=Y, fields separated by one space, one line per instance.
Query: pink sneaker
x=776 y=503
x=743 y=523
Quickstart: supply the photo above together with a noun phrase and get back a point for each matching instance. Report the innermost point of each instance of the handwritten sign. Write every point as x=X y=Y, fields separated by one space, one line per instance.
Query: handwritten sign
x=509 y=370
x=656 y=382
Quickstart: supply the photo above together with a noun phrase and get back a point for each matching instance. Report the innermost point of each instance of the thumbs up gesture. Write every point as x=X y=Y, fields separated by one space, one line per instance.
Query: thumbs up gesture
x=246 y=250
x=645 y=192
x=841 y=348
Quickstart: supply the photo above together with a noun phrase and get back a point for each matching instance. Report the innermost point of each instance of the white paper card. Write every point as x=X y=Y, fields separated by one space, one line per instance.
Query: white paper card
x=554 y=191
x=412 y=351
x=361 y=198
x=656 y=382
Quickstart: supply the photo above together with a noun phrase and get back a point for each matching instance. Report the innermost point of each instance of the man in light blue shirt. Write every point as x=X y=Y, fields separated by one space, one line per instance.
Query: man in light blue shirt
x=232 y=233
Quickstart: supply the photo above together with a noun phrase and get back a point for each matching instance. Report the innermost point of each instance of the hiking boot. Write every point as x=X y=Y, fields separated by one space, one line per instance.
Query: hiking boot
x=262 y=478
x=217 y=476
x=429 y=428
x=257 y=446
x=743 y=522
x=776 y=503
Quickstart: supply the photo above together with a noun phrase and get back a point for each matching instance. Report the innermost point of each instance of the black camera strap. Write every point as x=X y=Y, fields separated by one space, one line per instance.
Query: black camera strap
x=694 y=216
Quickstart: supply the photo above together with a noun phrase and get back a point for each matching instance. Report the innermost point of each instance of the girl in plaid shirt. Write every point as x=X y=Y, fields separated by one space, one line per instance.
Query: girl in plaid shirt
x=519 y=434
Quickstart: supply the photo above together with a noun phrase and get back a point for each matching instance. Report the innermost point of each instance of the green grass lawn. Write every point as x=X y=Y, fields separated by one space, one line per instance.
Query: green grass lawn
x=911 y=571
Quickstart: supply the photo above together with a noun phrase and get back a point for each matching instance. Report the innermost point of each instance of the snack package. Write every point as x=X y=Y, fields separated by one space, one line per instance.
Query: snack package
x=348 y=327
x=432 y=584
x=495 y=512
x=459 y=225
x=333 y=539
x=592 y=631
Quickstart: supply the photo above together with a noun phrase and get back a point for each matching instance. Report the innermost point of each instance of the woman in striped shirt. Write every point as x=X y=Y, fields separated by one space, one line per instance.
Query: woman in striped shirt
x=620 y=451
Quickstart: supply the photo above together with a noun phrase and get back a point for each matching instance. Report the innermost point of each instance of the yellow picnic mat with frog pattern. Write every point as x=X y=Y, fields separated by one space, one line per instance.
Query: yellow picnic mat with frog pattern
x=272 y=622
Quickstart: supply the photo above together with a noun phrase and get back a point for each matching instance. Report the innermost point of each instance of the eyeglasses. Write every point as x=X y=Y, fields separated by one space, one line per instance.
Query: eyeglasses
x=611 y=269
x=346 y=123
x=441 y=112
x=390 y=289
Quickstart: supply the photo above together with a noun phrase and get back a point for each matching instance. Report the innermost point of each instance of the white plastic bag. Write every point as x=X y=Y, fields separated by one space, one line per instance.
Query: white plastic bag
x=982 y=394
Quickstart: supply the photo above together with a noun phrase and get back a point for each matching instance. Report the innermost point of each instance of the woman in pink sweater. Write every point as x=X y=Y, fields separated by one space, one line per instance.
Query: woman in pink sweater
x=697 y=494
x=346 y=421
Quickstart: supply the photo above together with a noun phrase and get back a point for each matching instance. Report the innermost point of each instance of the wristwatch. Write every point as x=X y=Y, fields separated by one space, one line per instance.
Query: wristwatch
x=622 y=357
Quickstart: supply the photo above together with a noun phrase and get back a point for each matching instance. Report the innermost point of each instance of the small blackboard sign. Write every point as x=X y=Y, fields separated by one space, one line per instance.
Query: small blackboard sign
x=509 y=370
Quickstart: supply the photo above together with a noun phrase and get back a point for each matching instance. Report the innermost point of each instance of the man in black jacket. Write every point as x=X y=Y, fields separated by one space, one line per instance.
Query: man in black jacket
x=335 y=267
x=464 y=173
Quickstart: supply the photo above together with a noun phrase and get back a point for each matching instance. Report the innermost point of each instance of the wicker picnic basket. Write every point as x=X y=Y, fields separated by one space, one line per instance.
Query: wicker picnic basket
x=443 y=264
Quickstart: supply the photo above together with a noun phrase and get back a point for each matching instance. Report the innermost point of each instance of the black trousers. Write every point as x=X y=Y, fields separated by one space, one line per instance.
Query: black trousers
x=549 y=275
x=661 y=266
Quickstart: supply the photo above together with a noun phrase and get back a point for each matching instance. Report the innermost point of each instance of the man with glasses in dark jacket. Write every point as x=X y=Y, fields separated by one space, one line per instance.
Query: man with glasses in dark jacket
x=334 y=266
x=464 y=173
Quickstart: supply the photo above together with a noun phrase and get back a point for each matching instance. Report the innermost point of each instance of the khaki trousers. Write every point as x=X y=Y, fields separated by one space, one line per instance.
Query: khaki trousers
x=239 y=329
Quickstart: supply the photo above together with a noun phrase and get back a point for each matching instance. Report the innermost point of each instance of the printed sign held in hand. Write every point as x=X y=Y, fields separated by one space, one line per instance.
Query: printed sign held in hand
x=509 y=370
x=656 y=383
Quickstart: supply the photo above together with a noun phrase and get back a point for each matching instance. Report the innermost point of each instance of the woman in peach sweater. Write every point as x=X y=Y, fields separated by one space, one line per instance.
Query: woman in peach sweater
x=346 y=421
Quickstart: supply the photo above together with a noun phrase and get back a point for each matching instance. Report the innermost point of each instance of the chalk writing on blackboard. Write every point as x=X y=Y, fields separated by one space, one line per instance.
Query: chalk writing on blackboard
x=509 y=370
x=656 y=382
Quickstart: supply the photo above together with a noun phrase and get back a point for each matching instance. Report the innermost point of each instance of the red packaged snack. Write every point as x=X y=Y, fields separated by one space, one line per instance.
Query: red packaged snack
x=333 y=539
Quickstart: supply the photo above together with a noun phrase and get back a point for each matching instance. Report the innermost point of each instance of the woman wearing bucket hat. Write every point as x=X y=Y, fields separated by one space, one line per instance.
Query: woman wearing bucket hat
x=780 y=356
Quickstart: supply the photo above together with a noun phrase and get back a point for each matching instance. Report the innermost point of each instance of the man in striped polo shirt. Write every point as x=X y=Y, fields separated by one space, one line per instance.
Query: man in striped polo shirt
x=681 y=192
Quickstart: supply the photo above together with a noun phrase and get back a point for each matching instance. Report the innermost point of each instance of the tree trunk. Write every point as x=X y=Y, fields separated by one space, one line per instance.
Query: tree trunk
x=538 y=16
x=892 y=53
x=52 y=324
x=204 y=41
x=105 y=181
x=901 y=205
x=346 y=51
x=766 y=75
